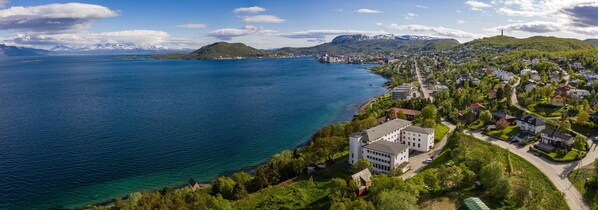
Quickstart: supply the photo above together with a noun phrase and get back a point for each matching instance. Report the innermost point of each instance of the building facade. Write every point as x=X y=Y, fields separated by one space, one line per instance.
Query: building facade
x=531 y=124
x=384 y=147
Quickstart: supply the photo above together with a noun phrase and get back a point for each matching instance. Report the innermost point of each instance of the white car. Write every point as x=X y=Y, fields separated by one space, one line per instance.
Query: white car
x=429 y=160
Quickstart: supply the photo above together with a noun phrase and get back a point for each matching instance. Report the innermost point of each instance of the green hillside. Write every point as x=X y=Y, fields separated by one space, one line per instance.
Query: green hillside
x=540 y=43
x=224 y=50
x=374 y=46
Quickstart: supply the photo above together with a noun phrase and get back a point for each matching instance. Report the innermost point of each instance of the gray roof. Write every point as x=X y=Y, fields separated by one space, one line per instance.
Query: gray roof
x=418 y=129
x=385 y=128
x=364 y=174
x=552 y=132
x=387 y=147
x=532 y=120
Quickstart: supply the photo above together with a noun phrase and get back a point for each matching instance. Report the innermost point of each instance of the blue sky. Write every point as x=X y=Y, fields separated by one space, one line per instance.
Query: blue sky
x=279 y=23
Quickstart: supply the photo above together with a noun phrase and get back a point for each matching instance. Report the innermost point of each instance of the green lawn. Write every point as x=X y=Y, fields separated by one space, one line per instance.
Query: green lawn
x=571 y=155
x=578 y=178
x=546 y=110
x=475 y=125
x=440 y=131
x=504 y=134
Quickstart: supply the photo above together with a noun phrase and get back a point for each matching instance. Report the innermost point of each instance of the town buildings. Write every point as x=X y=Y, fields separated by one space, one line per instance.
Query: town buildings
x=531 y=124
x=404 y=92
x=387 y=145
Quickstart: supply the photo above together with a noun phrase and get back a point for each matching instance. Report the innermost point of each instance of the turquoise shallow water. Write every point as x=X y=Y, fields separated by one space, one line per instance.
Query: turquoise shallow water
x=76 y=130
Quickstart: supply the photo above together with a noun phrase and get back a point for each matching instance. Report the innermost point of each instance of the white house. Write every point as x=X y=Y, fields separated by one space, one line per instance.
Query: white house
x=526 y=71
x=531 y=124
x=578 y=93
x=555 y=137
x=418 y=138
x=503 y=75
x=382 y=145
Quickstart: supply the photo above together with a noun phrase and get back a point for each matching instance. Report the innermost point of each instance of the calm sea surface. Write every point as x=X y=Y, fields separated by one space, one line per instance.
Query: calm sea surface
x=76 y=130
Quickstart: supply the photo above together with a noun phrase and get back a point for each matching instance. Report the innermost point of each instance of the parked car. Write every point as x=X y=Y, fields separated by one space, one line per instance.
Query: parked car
x=595 y=138
x=429 y=160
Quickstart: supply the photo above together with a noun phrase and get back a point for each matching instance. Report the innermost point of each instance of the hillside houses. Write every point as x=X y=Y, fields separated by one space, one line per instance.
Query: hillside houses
x=504 y=75
x=404 y=92
x=466 y=77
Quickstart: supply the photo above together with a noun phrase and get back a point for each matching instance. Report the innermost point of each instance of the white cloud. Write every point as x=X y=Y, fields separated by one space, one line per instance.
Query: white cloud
x=321 y=34
x=263 y=19
x=532 y=27
x=477 y=5
x=409 y=16
x=3 y=3
x=52 y=17
x=368 y=11
x=573 y=16
x=192 y=25
x=435 y=31
x=254 y=9
x=228 y=33
x=421 y=6
x=460 y=21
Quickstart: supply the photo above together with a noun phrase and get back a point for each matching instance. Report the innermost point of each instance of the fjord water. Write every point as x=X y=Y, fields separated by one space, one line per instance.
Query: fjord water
x=76 y=130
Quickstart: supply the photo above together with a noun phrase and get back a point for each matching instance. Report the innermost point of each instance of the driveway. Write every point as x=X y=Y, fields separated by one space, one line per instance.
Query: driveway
x=416 y=162
x=556 y=172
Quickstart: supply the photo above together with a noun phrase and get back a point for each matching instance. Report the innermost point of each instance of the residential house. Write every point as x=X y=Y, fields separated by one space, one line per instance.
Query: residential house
x=557 y=100
x=531 y=124
x=529 y=87
x=476 y=108
x=193 y=185
x=492 y=94
x=404 y=92
x=466 y=77
x=496 y=116
x=526 y=71
x=554 y=137
x=578 y=93
x=362 y=179
x=410 y=113
x=383 y=145
x=577 y=66
x=536 y=76
x=595 y=117
x=504 y=75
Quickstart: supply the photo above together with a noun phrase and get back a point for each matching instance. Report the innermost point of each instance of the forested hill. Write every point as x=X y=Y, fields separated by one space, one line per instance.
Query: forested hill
x=593 y=42
x=540 y=43
x=222 y=50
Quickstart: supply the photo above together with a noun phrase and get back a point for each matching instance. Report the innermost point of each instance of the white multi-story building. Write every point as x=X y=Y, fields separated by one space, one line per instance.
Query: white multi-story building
x=418 y=138
x=504 y=75
x=384 y=146
x=578 y=93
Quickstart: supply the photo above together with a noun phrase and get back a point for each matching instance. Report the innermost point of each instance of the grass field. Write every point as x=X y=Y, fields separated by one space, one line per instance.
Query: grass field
x=578 y=178
x=504 y=134
x=440 y=131
x=525 y=176
x=546 y=110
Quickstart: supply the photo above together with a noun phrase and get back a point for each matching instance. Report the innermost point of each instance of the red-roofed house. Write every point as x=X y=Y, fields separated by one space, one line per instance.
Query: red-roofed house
x=476 y=108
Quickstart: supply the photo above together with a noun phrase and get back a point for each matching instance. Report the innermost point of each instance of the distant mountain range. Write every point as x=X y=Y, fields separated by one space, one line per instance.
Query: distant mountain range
x=97 y=49
x=540 y=43
x=114 y=48
x=593 y=42
x=11 y=51
x=344 y=44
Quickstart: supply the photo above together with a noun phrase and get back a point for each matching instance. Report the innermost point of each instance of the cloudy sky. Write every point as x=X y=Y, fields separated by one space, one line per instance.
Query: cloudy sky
x=277 y=23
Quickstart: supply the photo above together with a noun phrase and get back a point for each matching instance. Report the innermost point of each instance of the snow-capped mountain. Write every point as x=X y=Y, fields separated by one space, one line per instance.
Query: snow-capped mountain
x=113 y=48
x=362 y=37
x=10 y=51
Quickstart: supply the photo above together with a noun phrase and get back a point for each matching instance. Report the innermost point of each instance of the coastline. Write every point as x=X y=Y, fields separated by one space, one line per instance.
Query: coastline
x=252 y=168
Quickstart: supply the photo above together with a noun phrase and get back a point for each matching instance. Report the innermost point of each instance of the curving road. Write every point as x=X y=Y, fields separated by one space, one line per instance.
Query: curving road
x=416 y=162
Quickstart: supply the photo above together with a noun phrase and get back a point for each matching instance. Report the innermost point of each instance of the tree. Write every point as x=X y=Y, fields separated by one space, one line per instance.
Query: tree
x=363 y=164
x=223 y=186
x=396 y=199
x=583 y=116
x=242 y=178
x=491 y=174
x=485 y=116
x=502 y=190
x=239 y=191
x=580 y=143
x=429 y=112
x=429 y=123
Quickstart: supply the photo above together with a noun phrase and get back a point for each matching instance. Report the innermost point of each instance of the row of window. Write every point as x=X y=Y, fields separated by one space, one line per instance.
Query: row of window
x=409 y=144
x=378 y=159
x=381 y=167
x=378 y=153
x=409 y=138
x=413 y=134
